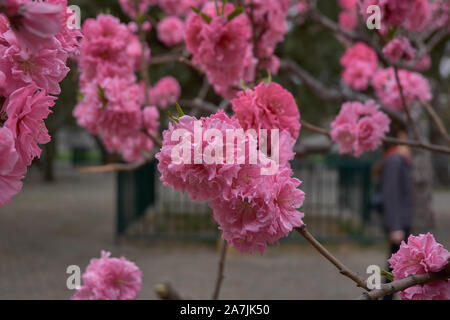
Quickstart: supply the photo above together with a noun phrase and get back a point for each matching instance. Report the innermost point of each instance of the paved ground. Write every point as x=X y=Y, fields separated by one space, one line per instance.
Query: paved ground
x=51 y=226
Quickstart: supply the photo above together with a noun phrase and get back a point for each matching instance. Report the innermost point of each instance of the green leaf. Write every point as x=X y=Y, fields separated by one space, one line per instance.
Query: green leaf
x=224 y=3
x=179 y=110
x=235 y=13
x=205 y=17
x=217 y=8
x=387 y=274
x=391 y=33
x=101 y=95
x=244 y=86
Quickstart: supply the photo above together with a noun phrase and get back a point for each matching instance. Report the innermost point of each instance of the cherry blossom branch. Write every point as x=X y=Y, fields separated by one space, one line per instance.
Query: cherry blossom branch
x=220 y=276
x=403 y=284
x=325 y=93
x=387 y=140
x=405 y=107
x=360 y=282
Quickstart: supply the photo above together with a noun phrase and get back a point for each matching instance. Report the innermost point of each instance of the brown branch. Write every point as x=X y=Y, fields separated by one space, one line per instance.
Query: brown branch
x=403 y=284
x=437 y=120
x=405 y=107
x=360 y=282
x=119 y=166
x=220 y=276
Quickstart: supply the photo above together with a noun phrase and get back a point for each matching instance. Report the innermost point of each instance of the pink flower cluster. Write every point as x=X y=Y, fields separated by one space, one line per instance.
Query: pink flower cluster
x=414 y=15
x=268 y=106
x=109 y=278
x=360 y=63
x=359 y=127
x=220 y=47
x=171 y=31
x=180 y=8
x=165 y=92
x=415 y=87
x=112 y=102
x=270 y=26
x=348 y=17
x=421 y=254
x=35 y=43
x=130 y=6
x=252 y=209
x=399 y=49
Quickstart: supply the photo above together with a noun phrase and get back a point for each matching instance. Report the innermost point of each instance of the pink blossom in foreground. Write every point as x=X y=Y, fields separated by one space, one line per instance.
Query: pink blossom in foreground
x=202 y=181
x=359 y=127
x=262 y=210
x=171 y=31
x=220 y=47
x=360 y=63
x=268 y=106
x=415 y=87
x=399 y=49
x=35 y=23
x=109 y=278
x=12 y=169
x=421 y=254
x=45 y=67
x=26 y=109
x=165 y=93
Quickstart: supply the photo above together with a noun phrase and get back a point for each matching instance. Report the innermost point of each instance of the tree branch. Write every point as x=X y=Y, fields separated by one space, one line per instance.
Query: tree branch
x=403 y=284
x=220 y=276
x=360 y=282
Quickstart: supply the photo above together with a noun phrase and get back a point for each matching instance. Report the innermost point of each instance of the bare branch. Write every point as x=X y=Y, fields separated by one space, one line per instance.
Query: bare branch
x=437 y=120
x=220 y=276
x=360 y=282
x=403 y=284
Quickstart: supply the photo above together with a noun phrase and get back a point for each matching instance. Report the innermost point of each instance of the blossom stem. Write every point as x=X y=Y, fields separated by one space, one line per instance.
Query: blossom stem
x=220 y=276
x=360 y=282
x=403 y=284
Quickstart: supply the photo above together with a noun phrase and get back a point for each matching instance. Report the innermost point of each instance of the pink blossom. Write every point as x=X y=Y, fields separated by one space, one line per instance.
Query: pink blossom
x=348 y=20
x=201 y=181
x=171 y=31
x=104 y=50
x=415 y=87
x=359 y=127
x=393 y=12
x=26 y=109
x=423 y=63
x=165 y=93
x=219 y=47
x=421 y=254
x=45 y=67
x=151 y=120
x=36 y=23
x=12 y=169
x=180 y=8
x=267 y=107
x=262 y=210
x=348 y=4
x=360 y=63
x=110 y=279
x=419 y=15
x=129 y=6
x=399 y=48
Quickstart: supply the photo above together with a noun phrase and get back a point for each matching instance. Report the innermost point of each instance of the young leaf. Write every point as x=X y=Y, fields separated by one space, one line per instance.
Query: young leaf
x=179 y=110
x=171 y=117
x=205 y=17
x=224 y=3
x=387 y=274
x=235 y=13
x=217 y=8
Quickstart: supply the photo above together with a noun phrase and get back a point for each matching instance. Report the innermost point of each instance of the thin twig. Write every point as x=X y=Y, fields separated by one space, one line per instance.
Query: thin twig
x=405 y=107
x=220 y=276
x=437 y=120
x=403 y=284
x=360 y=282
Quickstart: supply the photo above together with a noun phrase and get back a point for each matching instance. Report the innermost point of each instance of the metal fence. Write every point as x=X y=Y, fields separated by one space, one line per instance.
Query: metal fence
x=337 y=205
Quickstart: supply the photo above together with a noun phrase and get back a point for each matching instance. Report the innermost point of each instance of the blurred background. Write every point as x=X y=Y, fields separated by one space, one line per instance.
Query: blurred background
x=64 y=216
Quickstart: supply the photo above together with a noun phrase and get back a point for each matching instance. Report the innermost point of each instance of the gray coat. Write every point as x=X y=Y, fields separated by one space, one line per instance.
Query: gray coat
x=395 y=193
